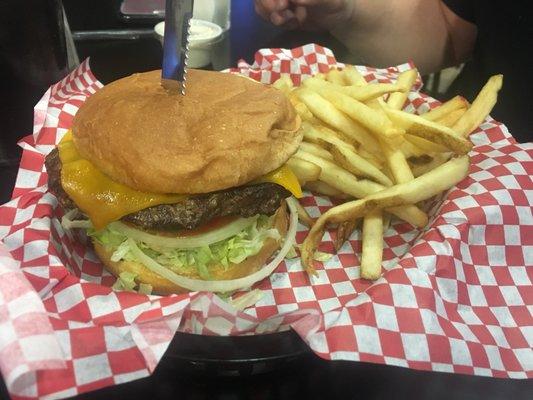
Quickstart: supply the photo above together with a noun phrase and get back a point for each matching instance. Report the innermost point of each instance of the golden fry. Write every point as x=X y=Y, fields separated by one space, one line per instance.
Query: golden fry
x=325 y=111
x=397 y=164
x=406 y=80
x=335 y=76
x=446 y=108
x=418 y=126
x=425 y=145
x=303 y=216
x=284 y=83
x=480 y=108
x=438 y=159
x=360 y=112
x=345 y=182
x=316 y=150
x=353 y=77
x=357 y=165
x=303 y=111
x=372 y=253
x=374 y=159
x=304 y=170
x=325 y=189
x=451 y=119
x=419 y=189
x=360 y=93
x=344 y=231
x=408 y=149
x=321 y=134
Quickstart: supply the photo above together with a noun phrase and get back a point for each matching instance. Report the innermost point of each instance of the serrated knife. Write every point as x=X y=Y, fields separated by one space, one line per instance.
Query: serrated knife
x=178 y=14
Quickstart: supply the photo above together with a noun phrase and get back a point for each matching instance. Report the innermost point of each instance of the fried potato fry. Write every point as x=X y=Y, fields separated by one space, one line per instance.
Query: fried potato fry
x=480 y=108
x=284 y=83
x=406 y=80
x=335 y=76
x=321 y=134
x=438 y=159
x=386 y=222
x=301 y=109
x=326 y=112
x=353 y=77
x=345 y=182
x=410 y=150
x=357 y=165
x=425 y=145
x=418 y=126
x=454 y=104
x=397 y=163
x=360 y=112
x=304 y=216
x=374 y=159
x=360 y=93
x=451 y=119
x=304 y=170
x=344 y=231
x=325 y=189
x=316 y=150
x=372 y=253
x=419 y=189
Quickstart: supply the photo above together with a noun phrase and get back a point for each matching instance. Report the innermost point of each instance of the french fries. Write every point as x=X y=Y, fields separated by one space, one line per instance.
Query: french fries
x=316 y=150
x=325 y=189
x=284 y=83
x=407 y=80
x=481 y=107
x=454 y=104
x=451 y=119
x=422 y=188
x=344 y=231
x=335 y=76
x=357 y=165
x=303 y=216
x=326 y=112
x=360 y=93
x=372 y=245
x=304 y=170
x=432 y=131
x=380 y=159
x=360 y=112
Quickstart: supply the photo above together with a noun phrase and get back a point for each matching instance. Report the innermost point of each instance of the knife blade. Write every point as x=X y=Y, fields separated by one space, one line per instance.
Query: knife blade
x=178 y=14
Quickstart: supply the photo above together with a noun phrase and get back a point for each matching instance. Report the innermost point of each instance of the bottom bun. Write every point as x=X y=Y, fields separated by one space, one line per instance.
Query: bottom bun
x=163 y=286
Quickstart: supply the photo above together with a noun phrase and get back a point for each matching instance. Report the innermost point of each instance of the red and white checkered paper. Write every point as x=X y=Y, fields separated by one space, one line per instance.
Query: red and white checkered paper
x=455 y=297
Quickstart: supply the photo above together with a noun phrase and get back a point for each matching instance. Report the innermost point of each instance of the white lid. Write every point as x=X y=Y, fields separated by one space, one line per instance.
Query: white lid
x=201 y=32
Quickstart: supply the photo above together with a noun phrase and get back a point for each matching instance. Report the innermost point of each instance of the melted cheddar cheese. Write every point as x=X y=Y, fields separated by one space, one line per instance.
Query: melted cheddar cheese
x=105 y=201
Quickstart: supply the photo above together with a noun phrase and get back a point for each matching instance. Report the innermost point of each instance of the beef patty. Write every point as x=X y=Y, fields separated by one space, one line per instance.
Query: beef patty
x=195 y=210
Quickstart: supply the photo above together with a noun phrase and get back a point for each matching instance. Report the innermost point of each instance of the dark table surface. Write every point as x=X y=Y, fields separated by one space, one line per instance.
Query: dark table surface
x=194 y=367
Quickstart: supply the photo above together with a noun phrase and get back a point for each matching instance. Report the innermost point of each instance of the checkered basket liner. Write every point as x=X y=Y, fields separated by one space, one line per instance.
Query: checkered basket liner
x=455 y=297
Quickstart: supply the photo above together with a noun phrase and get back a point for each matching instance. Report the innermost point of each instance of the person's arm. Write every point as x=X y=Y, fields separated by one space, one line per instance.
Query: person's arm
x=388 y=32
x=383 y=32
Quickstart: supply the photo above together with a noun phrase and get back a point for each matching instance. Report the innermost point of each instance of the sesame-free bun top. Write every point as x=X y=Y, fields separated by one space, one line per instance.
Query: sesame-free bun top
x=226 y=131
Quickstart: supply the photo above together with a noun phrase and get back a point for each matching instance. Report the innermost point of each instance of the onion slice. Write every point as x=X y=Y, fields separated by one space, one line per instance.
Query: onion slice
x=68 y=221
x=197 y=285
x=184 y=242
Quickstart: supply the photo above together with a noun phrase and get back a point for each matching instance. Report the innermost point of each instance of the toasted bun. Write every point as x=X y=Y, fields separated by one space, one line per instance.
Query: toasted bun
x=162 y=286
x=226 y=132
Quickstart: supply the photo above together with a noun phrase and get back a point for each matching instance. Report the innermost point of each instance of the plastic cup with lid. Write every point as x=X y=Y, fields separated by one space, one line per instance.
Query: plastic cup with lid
x=203 y=35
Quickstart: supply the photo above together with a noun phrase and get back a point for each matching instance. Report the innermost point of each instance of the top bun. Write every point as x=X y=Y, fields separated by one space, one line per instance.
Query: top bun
x=227 y=131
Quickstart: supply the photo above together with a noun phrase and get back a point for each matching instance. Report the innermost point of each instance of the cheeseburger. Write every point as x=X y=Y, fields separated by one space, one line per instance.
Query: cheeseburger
x=182 y=192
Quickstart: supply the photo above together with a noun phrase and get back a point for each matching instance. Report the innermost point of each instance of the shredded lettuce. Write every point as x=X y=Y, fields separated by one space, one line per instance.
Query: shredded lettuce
x=125 y=281
x=235 y=249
